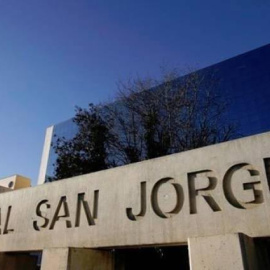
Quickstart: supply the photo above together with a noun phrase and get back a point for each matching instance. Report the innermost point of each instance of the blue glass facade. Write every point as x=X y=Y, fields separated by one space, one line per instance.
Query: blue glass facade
x=244 y=80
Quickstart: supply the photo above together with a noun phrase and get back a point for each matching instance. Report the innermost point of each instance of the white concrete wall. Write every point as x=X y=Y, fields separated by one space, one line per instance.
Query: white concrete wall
x=216 y=190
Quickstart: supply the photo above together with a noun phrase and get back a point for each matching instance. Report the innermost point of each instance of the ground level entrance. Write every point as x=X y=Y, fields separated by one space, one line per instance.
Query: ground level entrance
x=235 y=251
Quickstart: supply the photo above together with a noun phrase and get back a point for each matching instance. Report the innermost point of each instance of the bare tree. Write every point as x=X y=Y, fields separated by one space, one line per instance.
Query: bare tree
x=88 y=151
x=159 y=117
x=150 y=118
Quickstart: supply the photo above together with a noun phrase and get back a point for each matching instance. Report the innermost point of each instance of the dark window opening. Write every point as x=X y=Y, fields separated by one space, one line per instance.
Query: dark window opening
x=158 y=258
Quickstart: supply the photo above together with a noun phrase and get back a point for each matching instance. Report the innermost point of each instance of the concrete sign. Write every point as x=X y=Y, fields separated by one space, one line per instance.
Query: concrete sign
x=220 y=189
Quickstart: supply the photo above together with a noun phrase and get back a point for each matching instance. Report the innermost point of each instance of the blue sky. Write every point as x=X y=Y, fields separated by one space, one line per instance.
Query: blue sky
x=57 y=54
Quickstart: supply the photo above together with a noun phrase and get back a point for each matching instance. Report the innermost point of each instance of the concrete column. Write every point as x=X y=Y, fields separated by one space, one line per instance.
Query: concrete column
x=15 y=261
x=223 y=252
x=76 y=258
x=45 y=155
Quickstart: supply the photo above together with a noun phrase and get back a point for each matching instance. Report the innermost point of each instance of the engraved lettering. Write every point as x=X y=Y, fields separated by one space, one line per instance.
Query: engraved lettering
x=42 y=215
x=242 y=186
x=81 y=202
x=202 y=183
x=179 y=198
x=62 y=205
x=6 y=229
x=142 y=212
x=267 y=170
